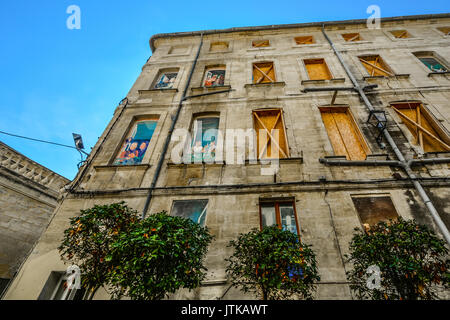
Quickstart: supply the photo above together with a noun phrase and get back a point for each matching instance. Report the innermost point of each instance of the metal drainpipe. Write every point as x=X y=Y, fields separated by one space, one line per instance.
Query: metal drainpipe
x=169 y=135
x=404 y=164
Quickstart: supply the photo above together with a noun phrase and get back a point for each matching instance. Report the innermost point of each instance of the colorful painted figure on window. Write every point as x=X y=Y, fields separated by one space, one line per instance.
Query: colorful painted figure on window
x=204 y=142
x=166 y=80
x=136 y=144
x=433 y=65
x=215 y=78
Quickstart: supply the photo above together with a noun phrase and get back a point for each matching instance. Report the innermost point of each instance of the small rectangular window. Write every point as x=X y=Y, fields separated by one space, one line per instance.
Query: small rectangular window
x=374 y=209
x=191 y=209
x=433 y=64
x=218 y=46
x=426 y=131
x=304 y=40
x=214 y=77
x=178 y=50
x=270 y=134
x=317 y=69
x=166 y=80
x=344 y=134
x=376 y=66
x=136 y=143
x=400 y=34
x=260 y=43
x=263 y=72
x=279 y=213
x=351 y=37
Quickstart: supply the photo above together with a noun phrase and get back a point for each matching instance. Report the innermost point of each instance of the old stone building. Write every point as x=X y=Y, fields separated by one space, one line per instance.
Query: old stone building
x=357 y=118
x=28 y=197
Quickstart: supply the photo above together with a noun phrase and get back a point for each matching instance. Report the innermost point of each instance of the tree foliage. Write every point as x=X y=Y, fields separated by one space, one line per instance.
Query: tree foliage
x=273 y=264
x=413 y=261
x=142 y=259
x=88 y=240
x=160 y=255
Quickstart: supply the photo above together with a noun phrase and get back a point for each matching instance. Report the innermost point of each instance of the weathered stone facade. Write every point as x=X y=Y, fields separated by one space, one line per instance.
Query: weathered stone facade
x=322 y=193
x=28 y=197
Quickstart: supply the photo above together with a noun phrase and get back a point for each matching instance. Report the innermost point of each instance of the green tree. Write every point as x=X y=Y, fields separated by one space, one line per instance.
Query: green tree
x=88 y=241
x=273 y=264
x=158 y=256
x=412 y=261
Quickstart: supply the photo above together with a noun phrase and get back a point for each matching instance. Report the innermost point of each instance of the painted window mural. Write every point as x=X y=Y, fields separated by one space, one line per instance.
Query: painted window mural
x=136 y=144
x=166 y=80
x=215 y=77
x=204 y=140
x=433 y=64
x=191 y=209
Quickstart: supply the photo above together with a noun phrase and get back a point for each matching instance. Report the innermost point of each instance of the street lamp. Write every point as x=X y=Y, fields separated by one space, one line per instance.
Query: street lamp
x=377 y=118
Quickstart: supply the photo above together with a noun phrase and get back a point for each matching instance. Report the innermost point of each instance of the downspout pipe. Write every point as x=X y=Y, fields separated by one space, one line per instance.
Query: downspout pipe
x=169 y=135
x=406 y=165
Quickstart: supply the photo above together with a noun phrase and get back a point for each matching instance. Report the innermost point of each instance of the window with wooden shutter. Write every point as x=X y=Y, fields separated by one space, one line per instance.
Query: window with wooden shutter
x=376 y=66
x=374 y=209
x=400 y=34
x=270 y=134
x=317 y=69
x=263 y=72
x=444 y=30
x=344 y=134
x=260 y=43
x=280 y=213
x=351 y=37
x=304 y=40
x=426 y=131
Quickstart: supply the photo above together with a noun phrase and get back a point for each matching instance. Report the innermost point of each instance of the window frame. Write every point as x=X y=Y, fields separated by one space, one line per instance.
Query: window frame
x=356 y=37
x=262 y=44
x=161 y=73
x=313 y=40
x=277 y=203
x=132 y=124
x=257 y=65
x=430 y=54
x=283 y=123
x=205 y=209
x=324 y=62
x=371 y=195
x=193 y=133
x=214 y=67
x=384 y=66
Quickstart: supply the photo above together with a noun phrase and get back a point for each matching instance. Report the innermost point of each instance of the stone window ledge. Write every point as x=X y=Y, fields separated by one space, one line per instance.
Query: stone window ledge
x=432 y=74
x=282 y=160
x=335 y=80
x=357 y=42
x=260 y=49
x=193 y=165
x=307 y=46
x=122 y=167
x=431 y=155
x=266 y=84
x=201 y=90
x=396 y=76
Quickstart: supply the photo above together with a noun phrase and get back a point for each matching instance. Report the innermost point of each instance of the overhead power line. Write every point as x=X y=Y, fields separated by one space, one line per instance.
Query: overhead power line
x=38 y=140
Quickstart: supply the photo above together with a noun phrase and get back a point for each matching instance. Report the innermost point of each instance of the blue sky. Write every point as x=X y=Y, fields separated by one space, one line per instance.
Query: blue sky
x=55 y=81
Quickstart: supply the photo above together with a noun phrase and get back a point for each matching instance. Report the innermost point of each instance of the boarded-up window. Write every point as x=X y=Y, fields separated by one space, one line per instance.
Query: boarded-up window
x=376 y=66
x=426 y=131
x=270 y=134
x=136 y=144
x=218 y=46
x=263 y=72
x=214 y=76
x=444 y=30
x=351 y=37
x=260 y=43
x=304 y=40
x=317 y=69
x=279 y=213
x=191 y=209
x=400 y=34
x=344 y=134
x=374 y=209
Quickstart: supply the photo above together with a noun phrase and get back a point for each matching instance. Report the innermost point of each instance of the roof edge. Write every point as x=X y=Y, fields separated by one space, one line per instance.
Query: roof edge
x=290 y=26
